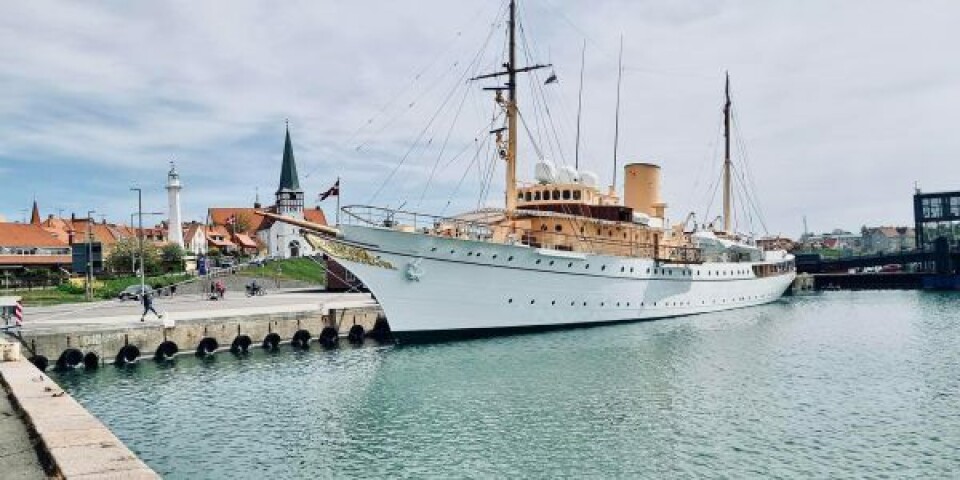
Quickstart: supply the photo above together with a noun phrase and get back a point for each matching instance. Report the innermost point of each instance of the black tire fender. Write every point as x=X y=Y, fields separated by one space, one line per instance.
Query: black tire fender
x=91 y=361
x=241 y=344
x=329 y=337
x=271 y=342
x=40 y=362
x=166 y=351
x=207 y=346
x=301 y=339
x=127 y=354
x=356 y=334
x=70 y=358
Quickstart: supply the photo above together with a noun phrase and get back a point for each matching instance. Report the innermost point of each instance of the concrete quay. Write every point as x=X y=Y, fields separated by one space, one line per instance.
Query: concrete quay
x=49 y=434
x=98 y=333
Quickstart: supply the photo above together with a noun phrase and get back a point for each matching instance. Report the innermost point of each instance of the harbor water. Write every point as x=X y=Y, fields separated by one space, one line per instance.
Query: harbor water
x=840 y=384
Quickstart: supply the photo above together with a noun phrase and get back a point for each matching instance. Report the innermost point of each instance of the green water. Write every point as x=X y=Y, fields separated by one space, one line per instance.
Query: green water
x=843 y=384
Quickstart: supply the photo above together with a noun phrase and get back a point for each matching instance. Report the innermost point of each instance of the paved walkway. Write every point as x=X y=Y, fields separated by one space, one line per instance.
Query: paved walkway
x=18 y=457
x=114 y=314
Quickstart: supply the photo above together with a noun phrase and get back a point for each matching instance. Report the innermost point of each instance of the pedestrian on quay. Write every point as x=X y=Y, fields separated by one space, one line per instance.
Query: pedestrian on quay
x=221 y=289
x=148 y=306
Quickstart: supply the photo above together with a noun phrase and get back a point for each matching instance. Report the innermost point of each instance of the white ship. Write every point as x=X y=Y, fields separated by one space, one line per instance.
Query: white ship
x=560 y=253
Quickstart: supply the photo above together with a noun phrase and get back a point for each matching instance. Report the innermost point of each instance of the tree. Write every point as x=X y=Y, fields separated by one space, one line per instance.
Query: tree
x=125 y=256
x=243 y=223
x=172 y=257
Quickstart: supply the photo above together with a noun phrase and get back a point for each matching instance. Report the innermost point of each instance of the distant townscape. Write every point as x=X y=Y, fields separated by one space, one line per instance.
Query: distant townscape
x=55 y=246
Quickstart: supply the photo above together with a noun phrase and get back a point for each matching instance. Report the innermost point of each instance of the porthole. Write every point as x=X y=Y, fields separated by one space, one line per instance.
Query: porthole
x=469 y=254
x=551 y=263
x=538 y=261
x=618 y=304
x=631 y=269
x=510 y=301
x=628 y=304
x=553 y=302
x=603 y=268
x=532 y=302
x=648 y=269
x=510 y=258
x=587 y=266
x=601 y=304
x=570 y=265
x=451 y=252
x=584 y=304
x=558 y=228
x=434 y=249
x=494 y=256
x=622 y=269
x=573 y=304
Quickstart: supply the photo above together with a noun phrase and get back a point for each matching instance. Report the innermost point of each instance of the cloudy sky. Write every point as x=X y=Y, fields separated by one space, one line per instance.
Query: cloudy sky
x=840 y=106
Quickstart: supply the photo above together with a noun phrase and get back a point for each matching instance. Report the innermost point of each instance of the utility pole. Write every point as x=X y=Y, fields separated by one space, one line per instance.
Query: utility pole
x=89 y=291
x=143 y=279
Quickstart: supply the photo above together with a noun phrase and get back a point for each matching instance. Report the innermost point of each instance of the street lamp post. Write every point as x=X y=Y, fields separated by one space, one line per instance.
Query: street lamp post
x=143 y=279
x=89 y=291
x=133 y=256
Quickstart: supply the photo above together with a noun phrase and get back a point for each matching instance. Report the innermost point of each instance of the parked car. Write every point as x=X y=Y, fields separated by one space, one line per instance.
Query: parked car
x=889 y=268
x=133 y=292
x=227 y=262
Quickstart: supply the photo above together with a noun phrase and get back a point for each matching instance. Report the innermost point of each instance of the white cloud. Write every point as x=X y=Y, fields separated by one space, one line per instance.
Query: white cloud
x=842 y=105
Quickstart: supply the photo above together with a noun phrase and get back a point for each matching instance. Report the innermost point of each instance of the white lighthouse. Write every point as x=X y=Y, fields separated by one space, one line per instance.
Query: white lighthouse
x=174 y=225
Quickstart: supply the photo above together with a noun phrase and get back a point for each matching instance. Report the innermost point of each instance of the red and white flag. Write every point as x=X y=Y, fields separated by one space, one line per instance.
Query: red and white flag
x=18 y=314
x=334 y=191
x=231 y=220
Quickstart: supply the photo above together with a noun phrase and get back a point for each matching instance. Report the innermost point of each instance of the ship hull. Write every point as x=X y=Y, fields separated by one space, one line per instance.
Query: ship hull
x=431 y=286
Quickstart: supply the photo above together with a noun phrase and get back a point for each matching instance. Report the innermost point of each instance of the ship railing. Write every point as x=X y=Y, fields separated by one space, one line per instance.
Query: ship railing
x=480 y=226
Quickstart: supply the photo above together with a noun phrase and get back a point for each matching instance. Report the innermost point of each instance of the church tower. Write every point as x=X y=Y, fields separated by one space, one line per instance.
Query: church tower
x=289 y=194
x=174 y=225
x=285 y=240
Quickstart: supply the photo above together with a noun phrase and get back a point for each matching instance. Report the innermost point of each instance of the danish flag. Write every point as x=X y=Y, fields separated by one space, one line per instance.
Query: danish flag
x=18 y=313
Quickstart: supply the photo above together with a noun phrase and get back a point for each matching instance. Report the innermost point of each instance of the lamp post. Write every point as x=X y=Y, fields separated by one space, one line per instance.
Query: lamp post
x=143 y=279
x=89 y=291
x=133 y=257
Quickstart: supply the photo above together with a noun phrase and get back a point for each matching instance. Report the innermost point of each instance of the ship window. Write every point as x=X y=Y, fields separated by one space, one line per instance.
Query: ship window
x=494 y=256
x=584 y=304
x=576 y=194
x=566 y=194
x=622 y=269
x=510 y=258
x=527 y=196
x=538 y=261
x=469 y=254
x=434 y=249
x=536 y=195
x=618 y=304
x=603 y=268
x=648 y=270
x=581 y=229
x=556 y=194
x=573 y=303
x=601 y=304
x=558 y=227
x=587 y=266
x=631 y=269
x=451 y=252
x=532 y=302
x=570 y=265
x=510 y=301
x=551 y=263
x=553 y=302
x=628 y=304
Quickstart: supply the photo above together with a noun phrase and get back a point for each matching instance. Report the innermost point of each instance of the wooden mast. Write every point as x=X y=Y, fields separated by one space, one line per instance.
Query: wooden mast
x=511 y=200
x=726 y=158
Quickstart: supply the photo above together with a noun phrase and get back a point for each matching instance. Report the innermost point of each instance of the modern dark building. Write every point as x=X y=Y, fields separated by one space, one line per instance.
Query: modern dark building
x=937 y=218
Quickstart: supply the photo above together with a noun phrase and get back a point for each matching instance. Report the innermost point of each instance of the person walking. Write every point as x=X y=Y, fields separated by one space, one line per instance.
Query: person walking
x=148 y=306
x=221 y=289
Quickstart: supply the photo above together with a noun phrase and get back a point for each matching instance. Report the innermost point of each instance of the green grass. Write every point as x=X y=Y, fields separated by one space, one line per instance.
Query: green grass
x=301 y=269
x=48 y=296
x=105 y=290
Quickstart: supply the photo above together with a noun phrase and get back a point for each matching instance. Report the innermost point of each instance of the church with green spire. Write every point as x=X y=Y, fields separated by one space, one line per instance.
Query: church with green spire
x=284 y=240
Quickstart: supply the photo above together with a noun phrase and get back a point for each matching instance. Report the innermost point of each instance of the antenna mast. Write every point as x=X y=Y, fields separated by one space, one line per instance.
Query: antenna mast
x=616 y=121
x=583 y=56
x=726 y=157
x=510 y=105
